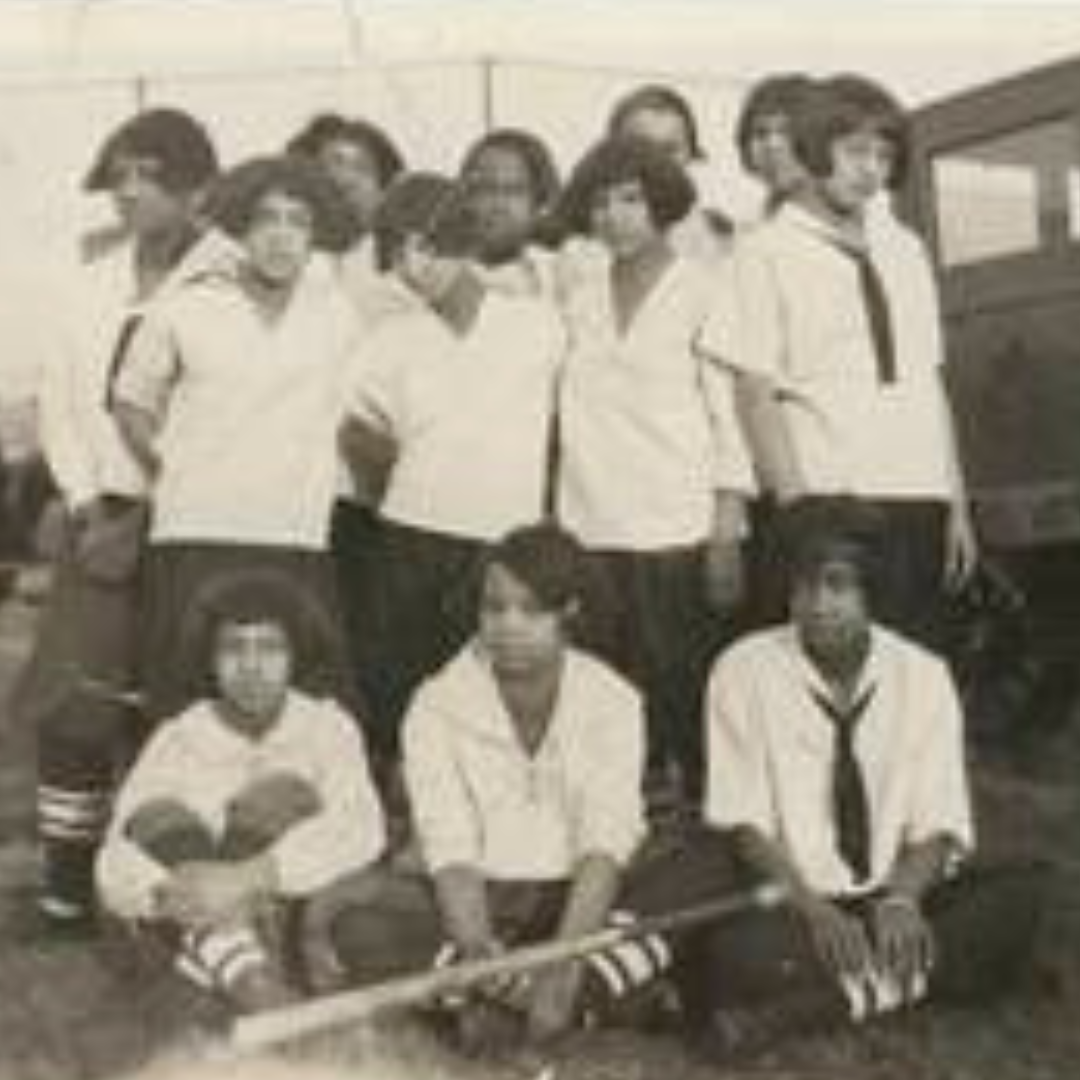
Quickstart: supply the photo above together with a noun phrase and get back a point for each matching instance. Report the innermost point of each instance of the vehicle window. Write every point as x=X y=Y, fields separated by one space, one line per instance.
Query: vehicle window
x=1012 y=194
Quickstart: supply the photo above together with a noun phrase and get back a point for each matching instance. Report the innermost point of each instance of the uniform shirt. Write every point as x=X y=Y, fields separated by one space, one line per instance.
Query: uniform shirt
x=204 y=763
x=97 y=301
x=770 y=753
x=470 y=414
x=803 y=323
x=648 y=424
x=82 y=444
x=480 y=799
x=250 y=410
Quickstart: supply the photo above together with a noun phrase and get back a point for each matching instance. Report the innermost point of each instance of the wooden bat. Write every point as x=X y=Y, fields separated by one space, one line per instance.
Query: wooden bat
x=275 y=1026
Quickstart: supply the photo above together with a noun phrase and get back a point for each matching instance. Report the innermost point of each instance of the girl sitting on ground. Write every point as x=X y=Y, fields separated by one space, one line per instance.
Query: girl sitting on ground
x=254 y=798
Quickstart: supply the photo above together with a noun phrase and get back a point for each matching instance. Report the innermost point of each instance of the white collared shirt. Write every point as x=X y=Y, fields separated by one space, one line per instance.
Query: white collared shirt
x=648 y=423
x=203 y=763
x=470 y=414
x=479 y=799
x=250 y=410
x=803 y=323
x=770 y=753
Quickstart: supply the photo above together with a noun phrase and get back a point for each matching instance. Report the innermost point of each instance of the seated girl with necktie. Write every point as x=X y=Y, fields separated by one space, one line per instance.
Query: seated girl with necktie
x=836 y=769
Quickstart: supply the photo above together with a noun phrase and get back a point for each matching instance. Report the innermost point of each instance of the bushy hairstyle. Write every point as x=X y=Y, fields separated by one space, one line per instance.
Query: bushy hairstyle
x=823 y=528
x=838 y=106
x=255 y=596
x=539 y=163
x=668 y=189
x=233 y=200
x=427 y=205
x=548 y=559
x=776 y=95
x=659 y=98
x=331 y=127
x=171 y=137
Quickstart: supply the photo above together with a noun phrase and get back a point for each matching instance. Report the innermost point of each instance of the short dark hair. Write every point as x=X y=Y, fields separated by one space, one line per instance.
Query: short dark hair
x=547 y=558
x=659 y=98
x=838 y=106
x=823 y=528
x=777 y=94
x=668 y=189
x=233 y=199
x=427 y=205
x=254 y=596
x=171 y=137
x=532 y=150
x=332 y=127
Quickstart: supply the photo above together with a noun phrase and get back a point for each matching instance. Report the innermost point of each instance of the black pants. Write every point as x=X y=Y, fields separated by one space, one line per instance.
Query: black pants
x=984 y=923
x=648 y=617
x=421 y=609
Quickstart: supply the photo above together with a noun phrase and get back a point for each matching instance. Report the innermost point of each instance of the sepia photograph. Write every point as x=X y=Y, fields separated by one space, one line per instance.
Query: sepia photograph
x=539 y=539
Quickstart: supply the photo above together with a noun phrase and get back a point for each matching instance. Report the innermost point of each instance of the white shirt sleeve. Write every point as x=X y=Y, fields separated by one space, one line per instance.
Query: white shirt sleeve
x=126 y=875
x=611 y=817
x=65 y=436
x=940 y=797
x=349 y=831
x=746 y=331
x=738 y=788
x=376 y=392
x=443 y=814
x=150 y=367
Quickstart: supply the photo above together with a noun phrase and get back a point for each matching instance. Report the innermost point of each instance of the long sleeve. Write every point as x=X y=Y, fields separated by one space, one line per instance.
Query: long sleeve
x=349 y=832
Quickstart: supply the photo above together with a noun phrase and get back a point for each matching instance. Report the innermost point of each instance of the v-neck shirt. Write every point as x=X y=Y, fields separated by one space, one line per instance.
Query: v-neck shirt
x=648 y=423
x=250 y=410
x=480 y=798
x=771 y=752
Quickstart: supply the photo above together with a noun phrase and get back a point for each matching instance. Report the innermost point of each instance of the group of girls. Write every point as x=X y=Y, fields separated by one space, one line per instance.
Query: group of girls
x=368 y=384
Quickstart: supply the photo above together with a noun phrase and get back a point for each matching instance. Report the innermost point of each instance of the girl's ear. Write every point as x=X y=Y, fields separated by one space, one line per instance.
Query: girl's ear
x=571 y=613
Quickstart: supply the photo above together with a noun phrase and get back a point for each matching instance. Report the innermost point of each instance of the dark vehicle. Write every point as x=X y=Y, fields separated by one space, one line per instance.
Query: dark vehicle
x=995 y=189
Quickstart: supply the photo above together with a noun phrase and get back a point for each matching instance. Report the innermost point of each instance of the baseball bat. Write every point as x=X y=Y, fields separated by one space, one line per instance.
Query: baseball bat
x=275 y=1026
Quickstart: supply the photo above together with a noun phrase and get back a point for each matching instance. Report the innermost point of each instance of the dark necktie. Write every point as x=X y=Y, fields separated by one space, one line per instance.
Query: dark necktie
x=876 y=305
x=851 y=805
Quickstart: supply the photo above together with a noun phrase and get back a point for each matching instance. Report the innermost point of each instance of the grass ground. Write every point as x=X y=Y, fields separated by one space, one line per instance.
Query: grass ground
x=73 y=1011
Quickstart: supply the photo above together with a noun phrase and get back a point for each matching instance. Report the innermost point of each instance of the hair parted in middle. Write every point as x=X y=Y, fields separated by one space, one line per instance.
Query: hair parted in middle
x=656 y=97
x=668 y=189
x=774 y=95
x=233 y=199
x=259 y=596
x=530 y=148
x=831 y=108
x=332 y=127
x=546 y=558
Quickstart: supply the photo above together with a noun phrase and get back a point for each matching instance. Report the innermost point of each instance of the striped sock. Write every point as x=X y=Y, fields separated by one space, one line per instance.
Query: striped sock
x=630 y=966
x=71 y=824
x=216 y=959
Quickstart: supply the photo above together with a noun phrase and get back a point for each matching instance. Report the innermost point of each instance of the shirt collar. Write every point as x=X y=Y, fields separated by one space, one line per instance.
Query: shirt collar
x=808 y=674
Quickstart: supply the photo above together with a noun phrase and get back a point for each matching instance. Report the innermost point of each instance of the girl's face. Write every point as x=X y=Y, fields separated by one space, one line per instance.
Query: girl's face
x=666 y=130
x=253 y=665
x=829 y=609
x=620 y=218
x=517 y=632
x=862 y=167
x=354 y=169
x=427 y=272
x=143 y=204
x=771 y=155
x=500 y=190
x=279 y=238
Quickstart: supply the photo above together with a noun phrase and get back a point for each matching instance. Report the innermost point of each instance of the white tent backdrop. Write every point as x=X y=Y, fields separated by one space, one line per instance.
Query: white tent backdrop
x=435 y=72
